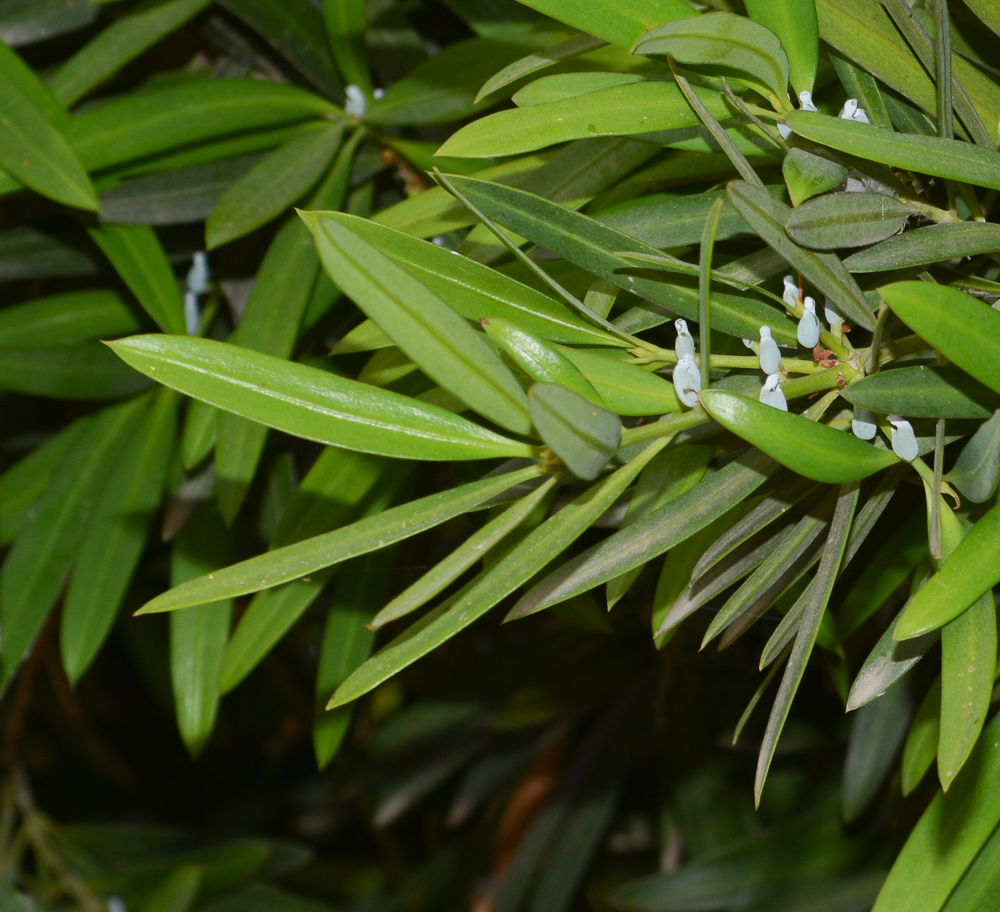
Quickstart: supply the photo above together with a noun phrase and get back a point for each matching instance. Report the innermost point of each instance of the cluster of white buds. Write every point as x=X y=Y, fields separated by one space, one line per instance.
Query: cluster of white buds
x=687 y=376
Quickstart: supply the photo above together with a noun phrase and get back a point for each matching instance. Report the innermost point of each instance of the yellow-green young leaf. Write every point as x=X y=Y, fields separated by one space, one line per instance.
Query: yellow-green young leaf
x=302 y=558
x=198 y=636
x=116 y=45
x=806 y=447
x=346 y=25
x=927 y=391
x=568 y=85
x=795 y=23
x=475 y=290
x=26 y=79
x=541 y=362
x=433 y=335
x=930 y=244
x=139 y=258
x=972 y=569
x=35 y=154
x=981 y=882
x=987 y=11
x=767 y=216
x=921 y=741
x=723 y=41
x=593 y=247
x=311 y=403
x=951 y=158
x=584 y=436
x=622 y=110
x=847 y=220
x=64 y=319
x=625 y=388
x=619 y=22
x=964 y=329
x=272 y=185
x=807 y=174
x=949 y=835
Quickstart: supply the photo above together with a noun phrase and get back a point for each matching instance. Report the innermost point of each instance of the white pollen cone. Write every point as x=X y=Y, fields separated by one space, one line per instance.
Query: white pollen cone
x=684 y=345
x=806 y=102
x=771 y=393
x=904 y=441
x=863 y=424
x=790 y=295
x=687 y=381
x=809 y=328
x=769 y=355
x=831 y=314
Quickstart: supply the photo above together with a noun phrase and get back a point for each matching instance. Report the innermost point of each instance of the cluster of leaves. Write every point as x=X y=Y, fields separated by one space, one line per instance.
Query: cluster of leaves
x=515 y=325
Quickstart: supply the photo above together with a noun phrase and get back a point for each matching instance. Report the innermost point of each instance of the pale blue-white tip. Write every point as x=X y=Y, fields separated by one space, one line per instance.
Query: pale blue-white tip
x=771 y=393
x=809 y=329
x=806 y=102
x=831 y=314
x=904 y=441
x=687 y=381
x=356 y=104
x=863 y=424
x=197 y=277
x=790 y=292
x=784 y=131
x=192 y=314
x=684 y=344
x=768 y=353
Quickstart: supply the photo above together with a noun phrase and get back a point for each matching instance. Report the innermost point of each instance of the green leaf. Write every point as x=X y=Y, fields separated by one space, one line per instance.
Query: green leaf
x=298 y=560
x=532 y=63
x=272 y=185
x=981 y=881
x=806 y=447
x=650 y=536
x=986 y=11
x=922 y=739
x=592 y=246
x=876 y=737
x=421 y=324
x=346 y=25
x=767 y=216
x=795 y=24
x=619 y=22
x=201 y=427
x=807 y=174
x=139 y=258
x=475 y=547
x=65 y=319
x=977 y=469
x=36 y=566
x=970 y=570
x=34 y=153
x=815 y=598
x=723 y=41
x=83 y=371
x=846 y=220
x=541 y=362
x=347 y=642
x=116 y=45
x=294 y=28
x=951 y=158
x=143 y=124
x=476 y=291
x=858 y=83
x=931 y=244
x=310 y=403
x=623 y=110
x=927 y=391
x=116 y=536
x=964 y=330
x=25 y=78
x=517 y=566
x=949 y=835
x=198 y=636
x=583 y=435
x=28 y=21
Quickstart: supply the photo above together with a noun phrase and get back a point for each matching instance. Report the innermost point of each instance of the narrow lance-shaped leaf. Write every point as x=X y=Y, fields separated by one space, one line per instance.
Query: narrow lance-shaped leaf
x=583 y=435
x=724 y=40
x=806 y=447
x=819 y=596
x=963 y=329
x=444 y=345
x=532 y=63
x=847 y=220
x=931 y=244
x=311 y=403
x=927 y=391
x=346 y=27
x=620 y=22
x=294 y=561
x=795 y=24
x=34 y=153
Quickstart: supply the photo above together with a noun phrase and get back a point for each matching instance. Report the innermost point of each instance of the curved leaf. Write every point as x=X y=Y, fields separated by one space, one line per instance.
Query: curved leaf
x=846 y=220
x=584 y=436
x=930 y=244
x=796 y=25
x=927 y=391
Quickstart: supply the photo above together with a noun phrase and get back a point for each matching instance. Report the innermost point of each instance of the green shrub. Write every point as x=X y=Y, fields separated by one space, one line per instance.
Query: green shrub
x=653 y=338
